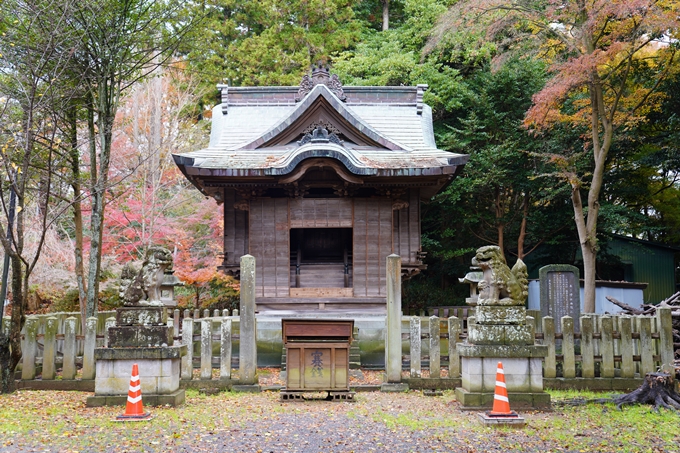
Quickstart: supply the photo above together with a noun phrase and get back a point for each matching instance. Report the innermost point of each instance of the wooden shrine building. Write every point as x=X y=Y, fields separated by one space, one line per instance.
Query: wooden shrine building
x=320 y=183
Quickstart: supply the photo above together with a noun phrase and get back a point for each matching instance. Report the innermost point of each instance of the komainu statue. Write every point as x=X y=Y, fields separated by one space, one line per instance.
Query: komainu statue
x=144 y=287
x=500 y=285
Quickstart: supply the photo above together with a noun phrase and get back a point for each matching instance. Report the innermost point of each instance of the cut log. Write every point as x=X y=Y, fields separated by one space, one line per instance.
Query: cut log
x=625 y=306
x=672 y=302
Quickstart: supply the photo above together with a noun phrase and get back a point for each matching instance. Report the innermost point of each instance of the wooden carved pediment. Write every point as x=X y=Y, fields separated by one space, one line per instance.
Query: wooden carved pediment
x=320 y=76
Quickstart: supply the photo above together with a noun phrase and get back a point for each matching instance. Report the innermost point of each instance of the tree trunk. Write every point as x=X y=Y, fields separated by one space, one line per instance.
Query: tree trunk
x=500 y=225
x=386 y=15
x=10 y=346
x=523 y=227
x=77 y=212
x=106 y=112
x=658 y=389
x=589 y=273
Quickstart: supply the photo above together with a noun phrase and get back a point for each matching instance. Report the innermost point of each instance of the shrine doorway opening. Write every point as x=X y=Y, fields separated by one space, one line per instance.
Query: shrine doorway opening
x=321 y=262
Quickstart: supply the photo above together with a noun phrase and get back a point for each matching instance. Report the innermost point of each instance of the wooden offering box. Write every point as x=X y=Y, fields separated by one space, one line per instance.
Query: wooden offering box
x=317 y=354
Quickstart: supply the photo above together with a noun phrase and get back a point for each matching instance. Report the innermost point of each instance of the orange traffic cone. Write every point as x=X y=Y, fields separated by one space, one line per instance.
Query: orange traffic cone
x=134 y=410
x=501 y=413
x=501 y=404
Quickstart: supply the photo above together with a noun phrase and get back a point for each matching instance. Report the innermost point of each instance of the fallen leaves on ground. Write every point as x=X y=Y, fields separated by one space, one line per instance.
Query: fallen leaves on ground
x=394 y=422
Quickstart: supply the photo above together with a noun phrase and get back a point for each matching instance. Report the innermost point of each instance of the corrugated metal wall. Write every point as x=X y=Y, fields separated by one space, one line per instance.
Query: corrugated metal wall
x=650 y=264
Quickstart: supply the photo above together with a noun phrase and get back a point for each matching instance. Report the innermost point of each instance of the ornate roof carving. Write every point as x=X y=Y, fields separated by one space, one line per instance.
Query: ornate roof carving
x=321 y=75
x=320 y=135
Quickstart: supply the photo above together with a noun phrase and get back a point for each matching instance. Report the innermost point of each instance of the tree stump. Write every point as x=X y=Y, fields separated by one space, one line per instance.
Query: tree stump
x=658 y=389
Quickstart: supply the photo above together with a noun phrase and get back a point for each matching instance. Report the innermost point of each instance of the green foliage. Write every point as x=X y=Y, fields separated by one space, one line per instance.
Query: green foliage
x=66 y=302
x=109 y=298
x=247 y=43
x=432 y=290
x=382 y=59
x=487 y=202
x=221 y=292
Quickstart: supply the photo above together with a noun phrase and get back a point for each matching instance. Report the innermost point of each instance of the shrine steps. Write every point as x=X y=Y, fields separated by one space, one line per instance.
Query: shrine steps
x=339 y=305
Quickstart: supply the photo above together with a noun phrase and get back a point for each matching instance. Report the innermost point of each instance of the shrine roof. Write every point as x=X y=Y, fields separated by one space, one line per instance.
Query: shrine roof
x=385 y=131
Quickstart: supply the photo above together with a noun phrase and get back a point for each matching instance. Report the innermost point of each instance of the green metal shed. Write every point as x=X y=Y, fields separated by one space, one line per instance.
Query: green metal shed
x=644 y=261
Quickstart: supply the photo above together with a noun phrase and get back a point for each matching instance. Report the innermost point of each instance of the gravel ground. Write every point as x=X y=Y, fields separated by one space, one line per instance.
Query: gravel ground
x=51 y=421
x=376 y=422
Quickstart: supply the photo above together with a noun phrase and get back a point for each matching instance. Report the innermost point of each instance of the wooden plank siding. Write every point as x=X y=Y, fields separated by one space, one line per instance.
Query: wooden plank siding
x=282 y=247
x=269 y=244
x=377 y=232
x=321 y=213
x=229 y=226
x=235 y=229
x=413 y=226
x=372 y=242
x=406 y=229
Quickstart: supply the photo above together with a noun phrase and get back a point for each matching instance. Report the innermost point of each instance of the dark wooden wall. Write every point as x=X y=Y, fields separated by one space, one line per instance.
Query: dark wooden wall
x=372 y=244
x=235 y=229
x=321 y=213
x=269 y=244
x=377 y=231
x=406 y=226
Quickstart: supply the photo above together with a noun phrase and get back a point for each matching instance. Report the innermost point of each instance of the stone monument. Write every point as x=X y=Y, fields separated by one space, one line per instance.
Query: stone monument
x=142 y=336
x=499 y=332
x=472 y=278
x=560 y=293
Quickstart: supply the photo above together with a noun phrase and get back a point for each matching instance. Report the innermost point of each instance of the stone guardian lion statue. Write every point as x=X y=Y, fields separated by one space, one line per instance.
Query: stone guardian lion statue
x=144 y=288
x=500 y=285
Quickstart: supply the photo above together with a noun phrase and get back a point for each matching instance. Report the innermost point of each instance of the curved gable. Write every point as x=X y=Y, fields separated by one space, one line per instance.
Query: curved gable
x=318 y=107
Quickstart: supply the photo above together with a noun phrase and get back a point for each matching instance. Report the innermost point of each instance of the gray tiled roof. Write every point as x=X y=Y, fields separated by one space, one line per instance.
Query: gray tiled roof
x=391 y=116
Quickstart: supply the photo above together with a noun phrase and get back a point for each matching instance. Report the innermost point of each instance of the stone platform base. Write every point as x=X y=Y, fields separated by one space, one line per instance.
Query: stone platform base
x=512 y=421
x=394 y=387
x=246 y=388
x=484 y=401
x=171 y=399
x=522 y=374
x=159 y=369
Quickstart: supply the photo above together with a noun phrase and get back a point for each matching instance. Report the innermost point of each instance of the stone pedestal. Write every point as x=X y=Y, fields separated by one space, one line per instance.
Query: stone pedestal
x=523 y=375
x=141 y=336
x=501 y=334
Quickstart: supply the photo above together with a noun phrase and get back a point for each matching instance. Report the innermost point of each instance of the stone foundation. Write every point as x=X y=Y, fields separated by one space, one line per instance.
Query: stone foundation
x=518 y=401
x=501 y=332
x=139 y=338
x=521 y=374
x=173 y=399
x=159 y=369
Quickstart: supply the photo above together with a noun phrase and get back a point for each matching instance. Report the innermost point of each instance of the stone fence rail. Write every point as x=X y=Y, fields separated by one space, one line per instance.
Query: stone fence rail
x=608 y=348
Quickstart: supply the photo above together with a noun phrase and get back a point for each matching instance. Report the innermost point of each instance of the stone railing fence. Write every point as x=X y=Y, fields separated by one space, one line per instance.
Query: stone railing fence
x=57 y=340
x=55 y=348
x=610 y=352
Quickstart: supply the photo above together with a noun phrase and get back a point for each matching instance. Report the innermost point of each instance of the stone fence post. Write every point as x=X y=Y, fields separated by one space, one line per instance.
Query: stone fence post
x=50 y=348
x=69 y=365
x=415 y=350
x=435 y=352
x=206 y=348
x=393 y=326
x=187 y=364
x=225 y=349
x=248 y=339
x=455 y=329
x=110 y=322
x=666 y=350
x=88 y=348
x=30 y=349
